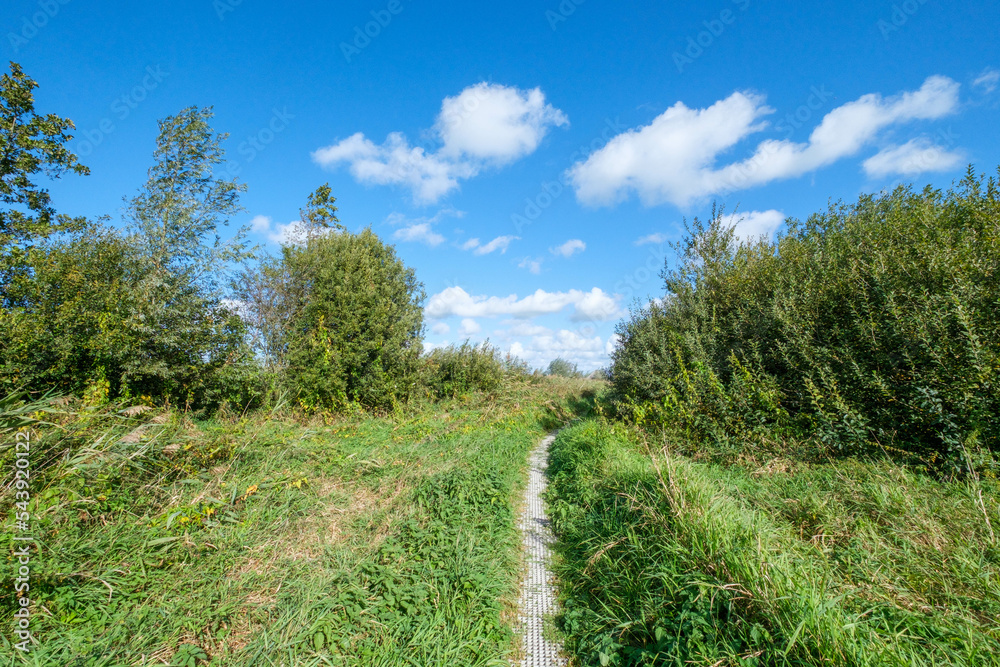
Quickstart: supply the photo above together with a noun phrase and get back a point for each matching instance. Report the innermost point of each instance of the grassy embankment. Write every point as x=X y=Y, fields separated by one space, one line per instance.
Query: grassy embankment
x=668 y=557
x=273 y=540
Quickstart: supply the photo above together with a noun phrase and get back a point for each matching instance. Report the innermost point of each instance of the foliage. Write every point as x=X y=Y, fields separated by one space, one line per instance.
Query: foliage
x=179 y=212
x=356 y=333
x=667 y=561
x=562 y=368
x=869 y=327
x=455 y=370
x=30 y=144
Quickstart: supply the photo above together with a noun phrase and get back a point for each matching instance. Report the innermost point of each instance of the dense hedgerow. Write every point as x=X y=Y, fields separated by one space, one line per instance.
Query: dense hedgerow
x=871 y=325
x=455 y=370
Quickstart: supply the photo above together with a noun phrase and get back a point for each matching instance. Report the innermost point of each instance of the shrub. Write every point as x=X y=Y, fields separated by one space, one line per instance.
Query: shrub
x=451 y=371
x=868 y=326
x=90 y=312
x=356 y=333
x=563 y=368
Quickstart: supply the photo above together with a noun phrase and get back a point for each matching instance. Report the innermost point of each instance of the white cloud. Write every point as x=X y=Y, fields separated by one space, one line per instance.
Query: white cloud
x=587 y=353
x=914 y=157
x=260 y=224
x=987 y=80
x=395 y=162
x=420 y=229
x=470 y=244
x=522 y=328
x=612 y=343
x=441 y=329
x=484 y=125
x=495 y=123
x=755 y=224
x=673 y=159
x=651 y=238
x=455 y=301
x=595 y=305
x=420 y=232
x=533 y=265
x=469 y=327
x=288 y=233
x=499 y=243
x=569 y=248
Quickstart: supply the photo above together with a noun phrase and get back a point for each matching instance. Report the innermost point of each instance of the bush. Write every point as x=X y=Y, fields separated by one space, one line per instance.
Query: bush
x=868 y=326
x=356 y=333
x=90 y=313
x=451 y=371
x=563 y=368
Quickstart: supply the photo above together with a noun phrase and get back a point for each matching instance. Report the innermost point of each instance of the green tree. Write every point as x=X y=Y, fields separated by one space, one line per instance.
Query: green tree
x=563 y=368
x=356 y=333
x=30 y=145
x=190 y=338
x=179 y=212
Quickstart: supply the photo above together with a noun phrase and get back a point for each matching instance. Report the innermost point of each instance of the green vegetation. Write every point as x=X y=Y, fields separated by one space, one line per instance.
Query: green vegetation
x=357 y=324
x=666 y=559
x=796 y=462
x=272 y=539
x=871 y=327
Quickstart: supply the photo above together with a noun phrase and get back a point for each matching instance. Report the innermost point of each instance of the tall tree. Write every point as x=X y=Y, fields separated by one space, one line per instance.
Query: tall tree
x=179 y=212
x=30 y=145
x=190 y=338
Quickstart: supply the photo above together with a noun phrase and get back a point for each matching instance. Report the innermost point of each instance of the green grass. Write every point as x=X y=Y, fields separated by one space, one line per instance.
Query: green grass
x=271 y=540
x=669 y=560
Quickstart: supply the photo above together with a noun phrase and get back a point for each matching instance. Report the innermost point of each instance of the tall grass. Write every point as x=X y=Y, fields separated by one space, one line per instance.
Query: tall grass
x=278 y=538
x=667 y=561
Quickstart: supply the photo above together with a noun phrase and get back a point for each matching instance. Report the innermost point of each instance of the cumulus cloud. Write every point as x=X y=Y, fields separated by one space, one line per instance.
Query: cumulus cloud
x=533 y=265
x=499 y=243
x=914 y=157
x=495 y=123
x=469 y=327
x=441 y=329
x=651 y=238
x=260 y=224
x=569 y=248
x=755 y=224
x=455 y=301
x=987 y=80
x=486 y=125
x=420 y=232
x=586 y=352
x=674 y=158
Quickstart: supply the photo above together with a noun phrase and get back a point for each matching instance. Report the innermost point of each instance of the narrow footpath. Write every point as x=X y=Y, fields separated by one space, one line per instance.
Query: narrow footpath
x=538 y=595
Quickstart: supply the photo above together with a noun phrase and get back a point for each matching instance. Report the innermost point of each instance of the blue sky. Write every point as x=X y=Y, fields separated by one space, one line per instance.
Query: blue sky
x=531 y=160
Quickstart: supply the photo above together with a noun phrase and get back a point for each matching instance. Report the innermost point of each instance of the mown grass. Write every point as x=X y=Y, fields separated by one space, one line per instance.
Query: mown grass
x=782 y=560
x=275 y=540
